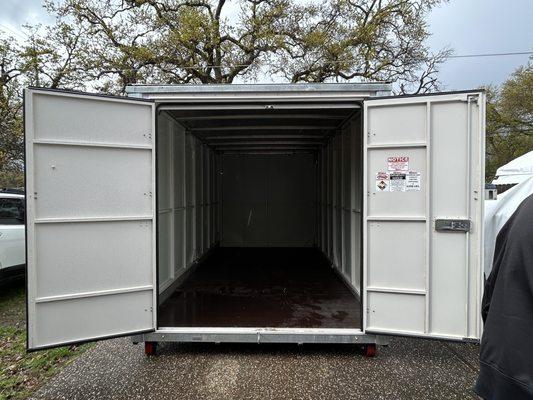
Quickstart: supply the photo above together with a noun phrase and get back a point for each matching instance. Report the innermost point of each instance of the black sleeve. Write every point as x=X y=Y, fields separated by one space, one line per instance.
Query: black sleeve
x=496 y=264
x=498 y=261
x=487 y=295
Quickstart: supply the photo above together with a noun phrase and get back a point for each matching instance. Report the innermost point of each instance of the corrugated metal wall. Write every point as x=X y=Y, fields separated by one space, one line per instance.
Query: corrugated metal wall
x=269 y=200
x=340 y=201
x=187 y=200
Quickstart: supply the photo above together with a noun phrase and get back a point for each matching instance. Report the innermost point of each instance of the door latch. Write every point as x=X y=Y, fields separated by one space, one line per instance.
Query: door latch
x=452 y=225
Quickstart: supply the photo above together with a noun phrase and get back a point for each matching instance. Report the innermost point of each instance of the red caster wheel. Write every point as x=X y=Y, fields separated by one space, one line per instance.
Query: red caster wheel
x=369 y=350
x=150 y=348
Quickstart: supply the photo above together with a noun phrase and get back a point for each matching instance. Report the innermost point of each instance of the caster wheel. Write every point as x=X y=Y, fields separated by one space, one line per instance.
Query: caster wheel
x=369 y=350
x=150 y=348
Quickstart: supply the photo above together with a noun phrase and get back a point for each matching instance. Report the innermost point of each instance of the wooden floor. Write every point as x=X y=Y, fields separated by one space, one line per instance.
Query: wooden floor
x=262 y=287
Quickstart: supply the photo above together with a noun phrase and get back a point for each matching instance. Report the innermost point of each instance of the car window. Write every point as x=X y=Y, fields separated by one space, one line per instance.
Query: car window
x=11 y=211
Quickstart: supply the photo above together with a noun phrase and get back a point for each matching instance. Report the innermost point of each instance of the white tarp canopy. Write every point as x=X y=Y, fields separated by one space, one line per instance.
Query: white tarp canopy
x=515 y=171
x=498 y=211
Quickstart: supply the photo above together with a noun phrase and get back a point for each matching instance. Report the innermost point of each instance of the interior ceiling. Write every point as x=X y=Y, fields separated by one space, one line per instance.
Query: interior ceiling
x=264 y=129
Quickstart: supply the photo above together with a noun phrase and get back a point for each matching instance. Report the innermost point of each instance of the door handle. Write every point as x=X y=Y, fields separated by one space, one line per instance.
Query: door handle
x=453 y=225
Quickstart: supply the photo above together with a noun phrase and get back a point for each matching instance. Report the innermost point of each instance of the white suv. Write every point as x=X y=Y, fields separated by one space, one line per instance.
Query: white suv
x=12 y=234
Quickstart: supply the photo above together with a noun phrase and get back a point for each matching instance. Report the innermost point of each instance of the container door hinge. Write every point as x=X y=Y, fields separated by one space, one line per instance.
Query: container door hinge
x=474 y=98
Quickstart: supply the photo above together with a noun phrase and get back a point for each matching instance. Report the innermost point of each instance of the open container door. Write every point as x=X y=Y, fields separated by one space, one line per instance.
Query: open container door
x=423 y=179
x=90 y=185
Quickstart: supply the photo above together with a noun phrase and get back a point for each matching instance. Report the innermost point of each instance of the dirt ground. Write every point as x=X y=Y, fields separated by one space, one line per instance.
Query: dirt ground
x=22 y=373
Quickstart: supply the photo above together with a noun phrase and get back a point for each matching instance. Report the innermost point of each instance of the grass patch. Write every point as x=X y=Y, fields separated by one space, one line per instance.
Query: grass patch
x=22 y=373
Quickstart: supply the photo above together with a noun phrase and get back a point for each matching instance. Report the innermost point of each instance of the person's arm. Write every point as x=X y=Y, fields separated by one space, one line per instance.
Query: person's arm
x=487 y=295
x=499 y=250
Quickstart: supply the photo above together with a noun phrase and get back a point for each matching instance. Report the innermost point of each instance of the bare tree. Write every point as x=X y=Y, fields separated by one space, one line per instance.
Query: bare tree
x=55 y=56
x=11 y=144
x=216 y=41
x=382 y=40
x=175 y=41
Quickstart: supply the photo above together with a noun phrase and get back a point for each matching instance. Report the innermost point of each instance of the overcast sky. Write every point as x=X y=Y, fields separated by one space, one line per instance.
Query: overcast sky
x=466 y=26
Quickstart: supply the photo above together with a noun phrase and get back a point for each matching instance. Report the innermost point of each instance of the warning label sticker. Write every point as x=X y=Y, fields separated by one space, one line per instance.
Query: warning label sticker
x=398 y=164
x=413 y=181
x=398 y=182
x=382 y=182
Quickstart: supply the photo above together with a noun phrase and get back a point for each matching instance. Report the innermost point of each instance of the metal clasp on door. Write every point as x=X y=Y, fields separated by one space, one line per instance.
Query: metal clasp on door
x=452 y=225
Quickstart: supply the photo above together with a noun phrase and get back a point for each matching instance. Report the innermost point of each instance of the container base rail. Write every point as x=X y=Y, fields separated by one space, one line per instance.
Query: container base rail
x=369 y=342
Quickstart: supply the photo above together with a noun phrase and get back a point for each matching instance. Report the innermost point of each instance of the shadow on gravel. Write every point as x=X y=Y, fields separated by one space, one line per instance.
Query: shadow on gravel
x=258 y=349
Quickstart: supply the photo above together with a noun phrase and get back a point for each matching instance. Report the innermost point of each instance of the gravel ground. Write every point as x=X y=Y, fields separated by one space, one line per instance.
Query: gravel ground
x=407 y=369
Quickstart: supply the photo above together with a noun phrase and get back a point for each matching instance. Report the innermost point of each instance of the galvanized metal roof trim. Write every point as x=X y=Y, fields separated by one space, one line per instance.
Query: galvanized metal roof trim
x=270 y=87
x=71 y=92
x=450 y=92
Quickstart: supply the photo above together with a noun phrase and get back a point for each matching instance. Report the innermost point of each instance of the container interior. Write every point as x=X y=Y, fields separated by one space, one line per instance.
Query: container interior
x=259 y=216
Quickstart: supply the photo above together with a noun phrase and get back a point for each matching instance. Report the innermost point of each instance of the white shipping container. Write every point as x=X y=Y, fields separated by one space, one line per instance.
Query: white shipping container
x=138 y=209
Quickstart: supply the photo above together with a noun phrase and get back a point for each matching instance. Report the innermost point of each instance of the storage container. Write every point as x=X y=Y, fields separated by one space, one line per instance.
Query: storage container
x=305 y=213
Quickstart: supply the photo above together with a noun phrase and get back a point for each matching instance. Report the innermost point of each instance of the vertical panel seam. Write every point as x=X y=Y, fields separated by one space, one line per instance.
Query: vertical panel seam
x=30 y=216
x=468 y=211
x=364 y=295
x=429 y=218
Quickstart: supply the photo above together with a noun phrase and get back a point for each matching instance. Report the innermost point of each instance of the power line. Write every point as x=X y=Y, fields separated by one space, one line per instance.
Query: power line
x=24 y=36
x=491 y=54
x=19 y=34
x=340 y=61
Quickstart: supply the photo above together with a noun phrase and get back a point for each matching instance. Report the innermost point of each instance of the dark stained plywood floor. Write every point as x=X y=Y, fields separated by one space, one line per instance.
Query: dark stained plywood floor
x=262 y=287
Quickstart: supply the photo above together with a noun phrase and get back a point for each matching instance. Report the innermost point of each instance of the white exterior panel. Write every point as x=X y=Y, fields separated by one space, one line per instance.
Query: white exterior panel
x=104 y=253
x=89 y=318
x=420 y=280
x=79 y=175
x=90 y=170
x=65 y=115
x=392 y=265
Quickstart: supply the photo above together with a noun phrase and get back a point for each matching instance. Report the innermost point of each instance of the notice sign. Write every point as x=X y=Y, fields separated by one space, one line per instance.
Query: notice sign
x=398 y=164
x=382 y=182
x=398 y=182
x=413 y=181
